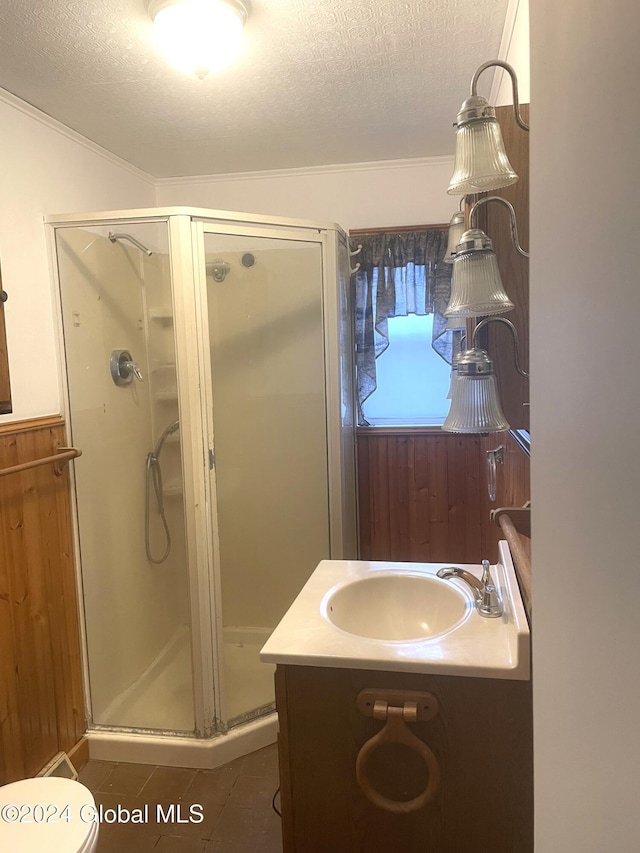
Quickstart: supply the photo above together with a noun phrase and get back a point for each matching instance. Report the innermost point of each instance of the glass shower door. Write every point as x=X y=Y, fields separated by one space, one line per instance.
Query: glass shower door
x=116 y=305
x=263 y=308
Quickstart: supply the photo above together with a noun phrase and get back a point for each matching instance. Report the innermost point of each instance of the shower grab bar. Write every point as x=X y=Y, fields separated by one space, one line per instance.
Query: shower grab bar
x=62 y=455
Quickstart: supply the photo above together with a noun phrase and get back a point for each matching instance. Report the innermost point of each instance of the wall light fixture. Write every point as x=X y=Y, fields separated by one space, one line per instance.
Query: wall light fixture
x=481 y=162
x=456 y=230
x=512 y=215
x=475 y=405
x=476 y=285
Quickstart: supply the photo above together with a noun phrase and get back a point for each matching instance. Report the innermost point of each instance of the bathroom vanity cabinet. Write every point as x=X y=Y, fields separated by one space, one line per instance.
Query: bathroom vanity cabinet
x=481 y=738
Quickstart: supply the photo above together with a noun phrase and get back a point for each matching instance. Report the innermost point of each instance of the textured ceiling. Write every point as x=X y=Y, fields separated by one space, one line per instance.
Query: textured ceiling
x=319 y=81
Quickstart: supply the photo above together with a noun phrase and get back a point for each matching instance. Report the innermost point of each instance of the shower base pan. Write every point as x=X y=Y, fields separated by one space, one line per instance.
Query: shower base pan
x=156 y=702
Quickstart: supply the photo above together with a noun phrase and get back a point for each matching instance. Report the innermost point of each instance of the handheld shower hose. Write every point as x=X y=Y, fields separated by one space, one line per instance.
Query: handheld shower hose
x=154 y=478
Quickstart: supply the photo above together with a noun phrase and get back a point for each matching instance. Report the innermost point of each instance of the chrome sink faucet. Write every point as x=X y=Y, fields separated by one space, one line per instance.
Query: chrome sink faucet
x=486 y=595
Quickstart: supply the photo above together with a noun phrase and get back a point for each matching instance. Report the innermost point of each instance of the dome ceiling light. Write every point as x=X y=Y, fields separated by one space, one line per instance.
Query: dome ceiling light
x=199 y=36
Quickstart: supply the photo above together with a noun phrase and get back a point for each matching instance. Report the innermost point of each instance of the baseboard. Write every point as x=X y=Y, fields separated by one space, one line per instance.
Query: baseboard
x=79 y=754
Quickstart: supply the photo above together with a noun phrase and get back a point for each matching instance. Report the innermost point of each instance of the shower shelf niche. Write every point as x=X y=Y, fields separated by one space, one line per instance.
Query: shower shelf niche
x=161 y=315
x=164 y=378
x=172 y=489
x=165 y=396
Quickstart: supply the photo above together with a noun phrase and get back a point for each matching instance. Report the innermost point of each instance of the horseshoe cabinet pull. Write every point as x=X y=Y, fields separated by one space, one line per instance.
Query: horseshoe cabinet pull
x=416 y=706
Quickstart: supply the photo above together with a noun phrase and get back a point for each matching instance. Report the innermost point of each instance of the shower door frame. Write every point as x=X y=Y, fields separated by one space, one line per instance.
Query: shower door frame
x=186 y=227
x=198 y=566
x=326 y=239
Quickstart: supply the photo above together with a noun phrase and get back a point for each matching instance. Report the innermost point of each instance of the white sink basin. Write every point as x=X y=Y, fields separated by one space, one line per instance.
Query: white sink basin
x=396 y=607
x=401 y=617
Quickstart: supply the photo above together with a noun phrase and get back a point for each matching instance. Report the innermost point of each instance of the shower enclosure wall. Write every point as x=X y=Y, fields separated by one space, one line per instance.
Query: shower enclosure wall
x=209 y=386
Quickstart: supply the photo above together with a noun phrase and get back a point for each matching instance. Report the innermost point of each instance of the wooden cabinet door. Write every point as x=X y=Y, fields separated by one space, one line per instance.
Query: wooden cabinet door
x=481 y=738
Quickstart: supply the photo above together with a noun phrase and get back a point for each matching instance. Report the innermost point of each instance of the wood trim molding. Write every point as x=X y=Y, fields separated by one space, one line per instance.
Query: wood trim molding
x=5 y=380
x=521 y=558
x=400 y=430
x=79 y=754
x=31 y=424
x=86 y=143
x=397 y=229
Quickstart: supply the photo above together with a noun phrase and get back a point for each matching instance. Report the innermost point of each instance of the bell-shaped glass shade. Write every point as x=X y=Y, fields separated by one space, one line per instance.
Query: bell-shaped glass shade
x=456 y=230
x=476 y=285
x=481 y=162
x=475 y=406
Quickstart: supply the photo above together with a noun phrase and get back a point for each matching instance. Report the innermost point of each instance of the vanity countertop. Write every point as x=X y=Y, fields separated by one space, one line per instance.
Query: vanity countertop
x=474 y=646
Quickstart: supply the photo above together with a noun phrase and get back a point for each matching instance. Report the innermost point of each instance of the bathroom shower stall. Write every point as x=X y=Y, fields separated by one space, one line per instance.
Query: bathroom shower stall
x=208 y=382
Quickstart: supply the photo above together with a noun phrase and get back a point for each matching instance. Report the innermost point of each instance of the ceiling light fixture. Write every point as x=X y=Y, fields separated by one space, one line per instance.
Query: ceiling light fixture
x=199 y=36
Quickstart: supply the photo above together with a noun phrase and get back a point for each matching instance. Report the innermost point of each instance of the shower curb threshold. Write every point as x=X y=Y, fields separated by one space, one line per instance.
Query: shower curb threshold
x=174 y=751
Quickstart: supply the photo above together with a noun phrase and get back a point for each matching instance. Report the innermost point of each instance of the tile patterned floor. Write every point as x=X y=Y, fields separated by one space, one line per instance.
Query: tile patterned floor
x=235 y=800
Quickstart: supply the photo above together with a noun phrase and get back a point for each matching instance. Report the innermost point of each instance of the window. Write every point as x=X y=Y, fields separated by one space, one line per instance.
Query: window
x=412 y=378
x=403 y=350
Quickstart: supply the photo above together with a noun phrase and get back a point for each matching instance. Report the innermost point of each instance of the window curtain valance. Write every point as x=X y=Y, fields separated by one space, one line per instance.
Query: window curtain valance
x=400 y=273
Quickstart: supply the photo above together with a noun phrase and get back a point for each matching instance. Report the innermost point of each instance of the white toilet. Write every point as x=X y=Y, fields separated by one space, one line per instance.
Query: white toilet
x=47 y=814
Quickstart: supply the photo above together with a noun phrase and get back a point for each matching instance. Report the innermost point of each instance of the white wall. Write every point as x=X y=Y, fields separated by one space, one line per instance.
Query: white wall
x=365 y=195
x=46 y=169
x=585 y=408
x=515 y=50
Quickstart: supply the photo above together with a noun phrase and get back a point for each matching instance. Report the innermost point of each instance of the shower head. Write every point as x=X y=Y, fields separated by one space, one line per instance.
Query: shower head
x=167 y=431
x=113 y=237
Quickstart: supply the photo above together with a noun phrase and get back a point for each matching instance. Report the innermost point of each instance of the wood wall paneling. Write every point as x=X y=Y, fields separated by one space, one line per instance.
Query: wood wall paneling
x=423 y=497
x=41 y=688
x=514 y=270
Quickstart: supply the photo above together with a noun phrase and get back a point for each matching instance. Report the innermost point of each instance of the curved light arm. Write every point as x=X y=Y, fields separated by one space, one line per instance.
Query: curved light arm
x=514 y=226
x=514 y=85
x=514 y=332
